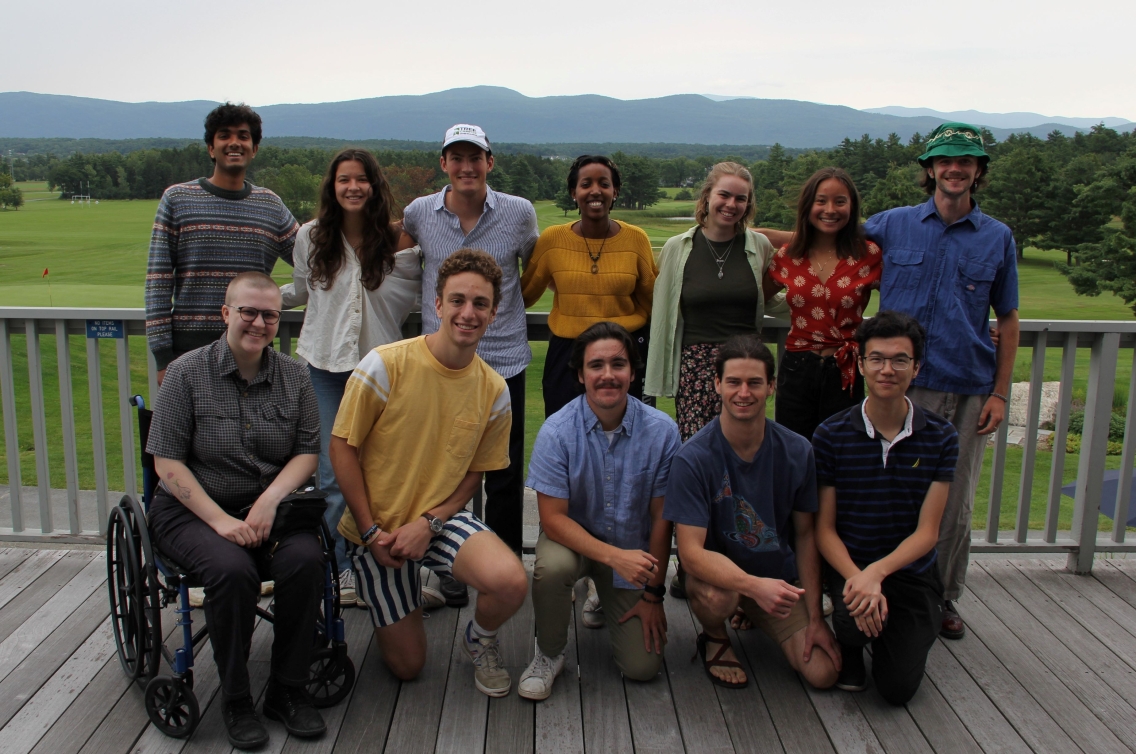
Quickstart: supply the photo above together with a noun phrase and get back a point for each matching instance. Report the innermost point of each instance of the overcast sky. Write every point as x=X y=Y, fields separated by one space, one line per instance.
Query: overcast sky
x=1069 y=58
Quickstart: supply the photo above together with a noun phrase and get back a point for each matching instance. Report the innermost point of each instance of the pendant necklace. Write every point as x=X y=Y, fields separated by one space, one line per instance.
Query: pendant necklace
x=720 y=260
x=596 y=257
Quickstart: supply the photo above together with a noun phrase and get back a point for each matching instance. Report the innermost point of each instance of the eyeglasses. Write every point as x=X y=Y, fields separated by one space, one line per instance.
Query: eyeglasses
x=250 y=313
x=899 y=363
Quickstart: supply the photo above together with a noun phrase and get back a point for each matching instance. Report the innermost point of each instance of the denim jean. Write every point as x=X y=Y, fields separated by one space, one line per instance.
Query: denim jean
x=329 y=387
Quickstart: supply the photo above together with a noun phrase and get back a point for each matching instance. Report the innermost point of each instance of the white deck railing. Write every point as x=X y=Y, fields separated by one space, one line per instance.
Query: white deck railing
x=1105 y=342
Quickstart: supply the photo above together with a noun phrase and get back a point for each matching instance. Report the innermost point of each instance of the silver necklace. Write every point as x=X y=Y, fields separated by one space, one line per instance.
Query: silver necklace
x=596 y=257
x=720 y=260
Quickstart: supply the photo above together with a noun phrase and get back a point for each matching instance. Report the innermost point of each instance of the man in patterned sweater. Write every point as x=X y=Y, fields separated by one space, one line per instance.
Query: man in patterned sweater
x=208 y=231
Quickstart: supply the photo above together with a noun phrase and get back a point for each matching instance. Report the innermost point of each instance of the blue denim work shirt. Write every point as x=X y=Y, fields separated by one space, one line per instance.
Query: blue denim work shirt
x=948 y=278
x=608 y=487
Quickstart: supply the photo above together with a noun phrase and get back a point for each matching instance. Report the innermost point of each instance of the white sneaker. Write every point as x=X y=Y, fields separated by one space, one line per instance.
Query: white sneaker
x=826 y=604
x=348 y=597
x=593 y=610
x=432 y=599
x=196 y=596
x=536 y=682
x=490 y=678
x=267 y=588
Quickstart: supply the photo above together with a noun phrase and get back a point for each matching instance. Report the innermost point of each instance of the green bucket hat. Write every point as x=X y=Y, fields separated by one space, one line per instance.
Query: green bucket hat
x=954 y=140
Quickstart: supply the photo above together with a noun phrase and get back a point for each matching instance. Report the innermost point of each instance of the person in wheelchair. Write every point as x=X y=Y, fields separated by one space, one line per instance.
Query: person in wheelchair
x=235 y=429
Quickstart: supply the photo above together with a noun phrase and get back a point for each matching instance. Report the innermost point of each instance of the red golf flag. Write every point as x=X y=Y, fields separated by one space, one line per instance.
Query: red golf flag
x=44 y=273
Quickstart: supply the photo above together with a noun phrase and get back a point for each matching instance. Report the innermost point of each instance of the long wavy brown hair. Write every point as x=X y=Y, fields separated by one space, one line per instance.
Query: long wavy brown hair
x=850 y=241
x=380 y=238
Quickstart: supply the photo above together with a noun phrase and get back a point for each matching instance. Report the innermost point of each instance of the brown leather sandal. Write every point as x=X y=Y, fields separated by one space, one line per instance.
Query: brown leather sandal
x=717 y=662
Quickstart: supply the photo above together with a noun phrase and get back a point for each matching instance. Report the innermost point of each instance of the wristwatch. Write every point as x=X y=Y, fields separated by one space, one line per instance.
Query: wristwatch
x=659 y=591
x=436 y=523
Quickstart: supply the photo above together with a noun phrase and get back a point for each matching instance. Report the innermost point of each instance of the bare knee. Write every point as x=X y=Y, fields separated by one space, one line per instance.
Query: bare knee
x=819 y=671
x=511 y=585
x=709 y=600
x=405 y=666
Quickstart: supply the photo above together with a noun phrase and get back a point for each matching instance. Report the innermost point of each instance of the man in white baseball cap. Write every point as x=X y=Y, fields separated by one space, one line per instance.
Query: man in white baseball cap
x=469 y=213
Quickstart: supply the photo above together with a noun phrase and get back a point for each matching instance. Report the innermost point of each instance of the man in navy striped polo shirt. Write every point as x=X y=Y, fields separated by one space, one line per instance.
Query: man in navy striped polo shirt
x=884 y=469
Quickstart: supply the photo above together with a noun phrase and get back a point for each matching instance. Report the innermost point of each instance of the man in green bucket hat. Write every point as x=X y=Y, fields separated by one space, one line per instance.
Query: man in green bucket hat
x=947 y=264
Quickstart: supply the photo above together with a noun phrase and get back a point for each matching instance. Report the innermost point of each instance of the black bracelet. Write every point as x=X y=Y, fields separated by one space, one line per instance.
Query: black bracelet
x=366 y=538
x=643 y=597
x=659 y=591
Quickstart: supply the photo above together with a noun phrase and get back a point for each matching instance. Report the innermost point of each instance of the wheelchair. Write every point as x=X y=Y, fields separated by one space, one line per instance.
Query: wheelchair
x=143 y=581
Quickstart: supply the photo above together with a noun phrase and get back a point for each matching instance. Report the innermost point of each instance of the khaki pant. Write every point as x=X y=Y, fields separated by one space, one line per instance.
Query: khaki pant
x=555 y=574
x=954 y=532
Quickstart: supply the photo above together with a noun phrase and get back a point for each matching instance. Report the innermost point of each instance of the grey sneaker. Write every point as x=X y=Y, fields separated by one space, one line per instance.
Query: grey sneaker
x=348 y=596
x=593 y=609
x=490 y=678
x=536 y=682
x=432 y=599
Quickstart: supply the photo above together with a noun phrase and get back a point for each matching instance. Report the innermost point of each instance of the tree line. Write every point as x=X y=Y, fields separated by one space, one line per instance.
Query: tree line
x=1073 y=193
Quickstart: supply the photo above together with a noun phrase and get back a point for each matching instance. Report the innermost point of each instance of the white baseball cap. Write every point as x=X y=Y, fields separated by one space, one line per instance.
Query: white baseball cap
x=466 y=132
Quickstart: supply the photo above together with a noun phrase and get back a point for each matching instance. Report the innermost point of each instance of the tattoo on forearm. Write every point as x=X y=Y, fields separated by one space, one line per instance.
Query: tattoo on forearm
x=182 y=493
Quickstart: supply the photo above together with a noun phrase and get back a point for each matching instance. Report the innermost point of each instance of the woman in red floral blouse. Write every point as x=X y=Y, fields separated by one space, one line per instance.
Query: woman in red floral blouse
x=829 y=270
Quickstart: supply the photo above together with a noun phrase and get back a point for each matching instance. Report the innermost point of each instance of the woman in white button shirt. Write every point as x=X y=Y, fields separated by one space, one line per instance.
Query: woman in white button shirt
x=360 y=277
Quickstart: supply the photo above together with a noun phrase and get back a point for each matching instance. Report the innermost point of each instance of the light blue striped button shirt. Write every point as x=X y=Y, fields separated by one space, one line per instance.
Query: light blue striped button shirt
x=508 y=231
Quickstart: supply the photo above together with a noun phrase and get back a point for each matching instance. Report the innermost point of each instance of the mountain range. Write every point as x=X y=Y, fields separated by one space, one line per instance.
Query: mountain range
x=509 y=116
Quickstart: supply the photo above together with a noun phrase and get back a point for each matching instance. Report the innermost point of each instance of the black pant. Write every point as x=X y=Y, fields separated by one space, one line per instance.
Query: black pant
x=231 y=575
x=561 y=384
x=505 y=489
x=809 y=391
x=899 y=653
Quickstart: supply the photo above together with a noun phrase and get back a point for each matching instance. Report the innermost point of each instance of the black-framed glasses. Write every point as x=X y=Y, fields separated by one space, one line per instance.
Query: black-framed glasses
x=900 y=363
x=250 y=313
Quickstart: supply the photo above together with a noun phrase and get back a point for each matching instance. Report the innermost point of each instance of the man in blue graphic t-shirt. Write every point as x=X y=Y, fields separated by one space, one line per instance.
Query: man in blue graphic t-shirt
x=742 y=495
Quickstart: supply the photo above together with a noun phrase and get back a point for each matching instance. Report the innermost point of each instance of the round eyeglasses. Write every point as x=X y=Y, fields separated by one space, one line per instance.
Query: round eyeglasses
x=899 y=363
x=250 y=313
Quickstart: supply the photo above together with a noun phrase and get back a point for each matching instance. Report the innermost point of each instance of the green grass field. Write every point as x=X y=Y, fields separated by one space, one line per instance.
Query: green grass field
x=96 y=255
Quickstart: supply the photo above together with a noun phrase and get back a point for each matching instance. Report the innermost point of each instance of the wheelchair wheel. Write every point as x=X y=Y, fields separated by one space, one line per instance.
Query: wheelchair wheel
x=331 y=678
x=126 y=587
x=172 y=706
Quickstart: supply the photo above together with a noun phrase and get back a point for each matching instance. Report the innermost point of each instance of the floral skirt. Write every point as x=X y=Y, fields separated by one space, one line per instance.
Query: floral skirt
x=696 y=401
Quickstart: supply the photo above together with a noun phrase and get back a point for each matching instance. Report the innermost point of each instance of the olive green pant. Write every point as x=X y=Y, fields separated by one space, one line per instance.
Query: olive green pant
x=555 y=574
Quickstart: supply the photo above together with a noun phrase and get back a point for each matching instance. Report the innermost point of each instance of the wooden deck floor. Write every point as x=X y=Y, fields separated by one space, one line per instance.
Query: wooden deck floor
x=1049 y=665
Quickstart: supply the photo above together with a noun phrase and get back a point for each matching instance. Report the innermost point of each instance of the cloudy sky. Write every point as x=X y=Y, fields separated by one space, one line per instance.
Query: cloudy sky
x=1069 y=58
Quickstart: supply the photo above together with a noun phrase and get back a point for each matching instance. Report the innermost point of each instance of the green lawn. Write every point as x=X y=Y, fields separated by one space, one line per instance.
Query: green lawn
x=97 y=258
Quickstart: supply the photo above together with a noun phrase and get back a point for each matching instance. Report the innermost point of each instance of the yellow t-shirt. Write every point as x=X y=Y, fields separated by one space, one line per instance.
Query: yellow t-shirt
x=419 y=428
x=620 y=290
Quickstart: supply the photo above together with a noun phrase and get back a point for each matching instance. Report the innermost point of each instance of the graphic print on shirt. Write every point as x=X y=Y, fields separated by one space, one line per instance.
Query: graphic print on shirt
x=749 y=529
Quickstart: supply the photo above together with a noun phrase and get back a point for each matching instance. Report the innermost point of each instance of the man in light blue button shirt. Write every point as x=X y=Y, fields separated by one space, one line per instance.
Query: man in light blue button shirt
x=600 y=468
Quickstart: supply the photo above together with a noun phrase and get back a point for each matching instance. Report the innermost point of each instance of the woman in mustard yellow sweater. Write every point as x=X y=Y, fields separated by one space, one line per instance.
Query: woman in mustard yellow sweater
x=600 y=269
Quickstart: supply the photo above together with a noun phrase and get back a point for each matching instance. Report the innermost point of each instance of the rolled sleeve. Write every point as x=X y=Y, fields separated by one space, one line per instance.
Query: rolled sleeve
x=1004 y=296
x=548 y=465
x=171 y=430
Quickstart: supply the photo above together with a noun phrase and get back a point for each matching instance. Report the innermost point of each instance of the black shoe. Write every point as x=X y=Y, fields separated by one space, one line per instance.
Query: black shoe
x=678 y=584
x=292 y=706
x=455 y=592
x=952 y=626
x=853 y=675
x=245 y=729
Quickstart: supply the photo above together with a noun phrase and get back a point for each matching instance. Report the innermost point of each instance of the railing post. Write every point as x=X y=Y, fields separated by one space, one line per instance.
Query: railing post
x=1033 y=409
x=1060 y=435
x=39 y=425
x=67 y=415
x=285 y=335
x=1124 y=485
x=11 y=435
x=1094 y=446
x=98 y=430
x=998 y=474
x=126 y=417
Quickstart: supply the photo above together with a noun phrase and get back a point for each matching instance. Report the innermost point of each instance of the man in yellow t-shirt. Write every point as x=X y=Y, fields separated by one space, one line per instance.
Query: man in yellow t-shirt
x=419 y=423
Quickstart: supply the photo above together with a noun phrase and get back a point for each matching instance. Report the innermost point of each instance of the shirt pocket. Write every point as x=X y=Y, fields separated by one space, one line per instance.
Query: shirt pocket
x=274 y=432
x=463 y=438
x=903 y=269
x=973 y=289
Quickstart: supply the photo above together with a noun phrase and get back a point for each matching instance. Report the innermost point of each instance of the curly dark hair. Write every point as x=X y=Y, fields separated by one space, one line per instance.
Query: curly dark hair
x=380 y=238
x=471 y=260
x=850 y=241
x=604 y=331
x=593 y=159
x=229 y=115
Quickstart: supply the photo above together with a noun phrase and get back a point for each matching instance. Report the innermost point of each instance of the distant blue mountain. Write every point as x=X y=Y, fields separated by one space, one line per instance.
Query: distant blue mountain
x=1000 y=120
x=506 y=115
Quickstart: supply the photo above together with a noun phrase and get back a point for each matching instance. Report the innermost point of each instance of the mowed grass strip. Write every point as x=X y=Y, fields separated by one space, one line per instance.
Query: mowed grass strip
x=96 y=255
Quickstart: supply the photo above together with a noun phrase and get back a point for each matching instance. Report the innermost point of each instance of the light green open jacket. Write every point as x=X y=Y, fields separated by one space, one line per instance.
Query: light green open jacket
x=665 y=350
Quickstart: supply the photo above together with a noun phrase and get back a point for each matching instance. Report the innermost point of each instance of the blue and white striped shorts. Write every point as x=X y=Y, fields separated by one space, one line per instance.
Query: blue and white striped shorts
x=392 y=594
